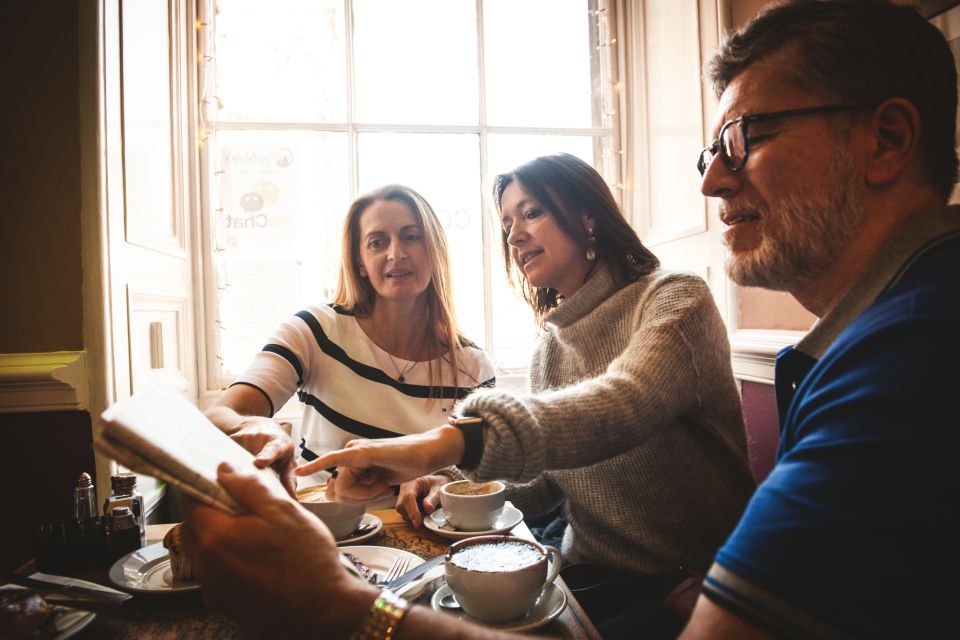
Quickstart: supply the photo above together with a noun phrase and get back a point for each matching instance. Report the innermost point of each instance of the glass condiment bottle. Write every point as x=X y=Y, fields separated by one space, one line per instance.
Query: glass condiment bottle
x=125 y=494
x=84 y=498
x=124 y=536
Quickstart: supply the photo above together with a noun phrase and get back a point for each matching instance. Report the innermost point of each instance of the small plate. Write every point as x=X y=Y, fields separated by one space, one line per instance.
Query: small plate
x=551 y=604
x=63 y=622
x=147 y=570
x=508 y=519
x=380 y=559
x=363 y=536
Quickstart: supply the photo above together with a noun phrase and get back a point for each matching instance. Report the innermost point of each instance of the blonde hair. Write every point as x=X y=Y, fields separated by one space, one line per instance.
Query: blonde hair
x=357 y=296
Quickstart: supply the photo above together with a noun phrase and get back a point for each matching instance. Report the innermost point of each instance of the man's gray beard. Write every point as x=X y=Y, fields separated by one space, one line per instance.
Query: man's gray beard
x=809 y=234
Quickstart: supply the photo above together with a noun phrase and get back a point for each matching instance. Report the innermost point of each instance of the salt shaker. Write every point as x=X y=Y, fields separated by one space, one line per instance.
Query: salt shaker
x=84 y=498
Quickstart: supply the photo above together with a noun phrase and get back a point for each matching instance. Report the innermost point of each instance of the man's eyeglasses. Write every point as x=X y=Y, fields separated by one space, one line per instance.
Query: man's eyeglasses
x=733 y=143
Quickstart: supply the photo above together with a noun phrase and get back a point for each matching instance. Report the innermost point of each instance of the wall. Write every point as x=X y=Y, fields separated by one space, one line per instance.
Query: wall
x=40 y=241
x=40 y=257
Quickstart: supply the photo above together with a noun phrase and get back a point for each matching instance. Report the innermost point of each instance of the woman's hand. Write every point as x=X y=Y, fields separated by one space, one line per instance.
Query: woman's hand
x=276 y=569
x=271 y=446
x=419 y=498
x=242 y=413
x=368 y=468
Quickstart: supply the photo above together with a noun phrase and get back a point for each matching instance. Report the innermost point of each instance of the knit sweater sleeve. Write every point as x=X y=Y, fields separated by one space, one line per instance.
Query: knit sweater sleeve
x=676 y=338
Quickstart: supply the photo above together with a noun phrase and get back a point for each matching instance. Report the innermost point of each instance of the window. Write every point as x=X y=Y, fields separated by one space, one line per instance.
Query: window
x=305 y=104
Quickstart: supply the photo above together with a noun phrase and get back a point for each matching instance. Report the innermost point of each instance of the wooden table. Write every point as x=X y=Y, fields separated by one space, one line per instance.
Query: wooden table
x=183 y=615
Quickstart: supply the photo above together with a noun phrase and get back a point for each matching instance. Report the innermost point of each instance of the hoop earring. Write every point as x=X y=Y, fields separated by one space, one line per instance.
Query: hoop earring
x=591 y=246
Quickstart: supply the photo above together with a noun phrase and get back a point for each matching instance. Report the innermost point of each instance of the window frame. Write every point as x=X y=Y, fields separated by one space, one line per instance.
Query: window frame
x=606 y=144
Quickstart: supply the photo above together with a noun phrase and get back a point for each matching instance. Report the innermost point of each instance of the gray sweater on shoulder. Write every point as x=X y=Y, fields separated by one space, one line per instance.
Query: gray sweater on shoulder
x=633 y=419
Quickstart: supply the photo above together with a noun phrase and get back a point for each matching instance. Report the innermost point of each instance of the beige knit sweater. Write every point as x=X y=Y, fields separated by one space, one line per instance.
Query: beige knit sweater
x=634 y=418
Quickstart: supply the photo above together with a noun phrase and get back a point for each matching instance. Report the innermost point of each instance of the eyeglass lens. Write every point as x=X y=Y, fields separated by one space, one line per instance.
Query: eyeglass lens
x=733 y=145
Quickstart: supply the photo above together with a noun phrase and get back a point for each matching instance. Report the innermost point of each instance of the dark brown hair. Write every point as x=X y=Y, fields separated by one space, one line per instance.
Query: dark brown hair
x=568 y=187
x=861 y=52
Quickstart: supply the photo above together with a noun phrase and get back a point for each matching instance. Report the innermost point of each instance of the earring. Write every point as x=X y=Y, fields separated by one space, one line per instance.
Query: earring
x=363 y=272
x=591 y=245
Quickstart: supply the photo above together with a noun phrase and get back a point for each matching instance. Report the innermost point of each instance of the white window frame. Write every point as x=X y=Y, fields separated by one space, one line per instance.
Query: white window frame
x=607 y=145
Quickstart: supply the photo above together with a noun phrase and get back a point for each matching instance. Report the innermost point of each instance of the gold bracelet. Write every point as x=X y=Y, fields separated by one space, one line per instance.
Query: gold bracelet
x=383 y=618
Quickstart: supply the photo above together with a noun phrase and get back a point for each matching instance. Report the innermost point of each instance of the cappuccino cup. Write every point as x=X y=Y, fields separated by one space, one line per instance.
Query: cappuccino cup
x=341 y=519
x=499 y=578
x=472 y=506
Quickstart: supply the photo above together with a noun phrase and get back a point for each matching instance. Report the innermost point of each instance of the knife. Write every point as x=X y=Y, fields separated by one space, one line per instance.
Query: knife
x=414 y=573
x=69 y=589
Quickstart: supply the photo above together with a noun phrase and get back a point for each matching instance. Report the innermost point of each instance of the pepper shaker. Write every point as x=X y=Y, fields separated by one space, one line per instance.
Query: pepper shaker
x=84 y=498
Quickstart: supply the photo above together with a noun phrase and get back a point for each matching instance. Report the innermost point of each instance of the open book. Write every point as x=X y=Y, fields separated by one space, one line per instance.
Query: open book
x=160 y=433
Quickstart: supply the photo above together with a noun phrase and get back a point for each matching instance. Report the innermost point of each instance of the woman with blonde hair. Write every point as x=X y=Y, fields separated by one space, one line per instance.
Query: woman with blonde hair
x=384 y=358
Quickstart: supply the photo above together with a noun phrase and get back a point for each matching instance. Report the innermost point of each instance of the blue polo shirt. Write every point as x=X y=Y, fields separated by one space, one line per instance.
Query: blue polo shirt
x=856 y=531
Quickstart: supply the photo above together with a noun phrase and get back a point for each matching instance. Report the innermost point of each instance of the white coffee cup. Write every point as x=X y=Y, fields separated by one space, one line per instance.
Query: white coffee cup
x=472 y=506
x=499 y=578
x=341 y=519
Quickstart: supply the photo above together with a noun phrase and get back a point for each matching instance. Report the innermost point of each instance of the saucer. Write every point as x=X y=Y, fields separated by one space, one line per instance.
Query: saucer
x=508 y=519
x=368 y=519
x=147 y=570
x=551 y=604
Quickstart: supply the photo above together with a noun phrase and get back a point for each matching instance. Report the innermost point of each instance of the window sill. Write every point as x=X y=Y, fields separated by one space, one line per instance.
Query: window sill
x=753 y=352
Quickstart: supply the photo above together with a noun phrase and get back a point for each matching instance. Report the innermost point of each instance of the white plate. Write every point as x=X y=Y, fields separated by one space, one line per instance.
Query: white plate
x=380 y=559
x=508 y=519
x=64 y=622
x=368 y=518
x=147 y=570
x=551 y=604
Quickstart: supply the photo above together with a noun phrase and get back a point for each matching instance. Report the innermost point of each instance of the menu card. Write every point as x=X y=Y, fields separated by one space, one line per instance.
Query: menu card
x=160 y=433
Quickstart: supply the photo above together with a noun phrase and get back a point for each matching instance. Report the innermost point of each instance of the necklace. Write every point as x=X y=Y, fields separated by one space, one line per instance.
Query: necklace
x=401 y=375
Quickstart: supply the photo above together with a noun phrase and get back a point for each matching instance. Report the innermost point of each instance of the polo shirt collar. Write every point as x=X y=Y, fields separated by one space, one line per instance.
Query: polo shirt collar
x=913 y=240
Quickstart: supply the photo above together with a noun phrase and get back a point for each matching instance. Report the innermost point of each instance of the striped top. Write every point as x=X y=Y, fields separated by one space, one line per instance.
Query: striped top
x=348 y=385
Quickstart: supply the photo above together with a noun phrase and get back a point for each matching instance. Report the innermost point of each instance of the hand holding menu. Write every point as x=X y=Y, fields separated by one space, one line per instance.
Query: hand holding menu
x=160 y=433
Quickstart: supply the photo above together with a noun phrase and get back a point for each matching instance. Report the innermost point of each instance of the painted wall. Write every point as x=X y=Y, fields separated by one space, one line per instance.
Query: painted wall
x=40 y=257
x=40 y=239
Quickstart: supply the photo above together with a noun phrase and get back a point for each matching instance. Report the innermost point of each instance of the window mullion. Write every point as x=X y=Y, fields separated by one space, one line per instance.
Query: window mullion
x=352 y=146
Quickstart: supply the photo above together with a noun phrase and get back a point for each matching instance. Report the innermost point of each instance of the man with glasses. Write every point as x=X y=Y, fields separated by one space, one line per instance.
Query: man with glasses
x=834 y=160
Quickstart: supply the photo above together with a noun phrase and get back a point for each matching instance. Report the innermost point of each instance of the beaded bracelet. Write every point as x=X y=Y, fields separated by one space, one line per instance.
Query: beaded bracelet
x=383 y=618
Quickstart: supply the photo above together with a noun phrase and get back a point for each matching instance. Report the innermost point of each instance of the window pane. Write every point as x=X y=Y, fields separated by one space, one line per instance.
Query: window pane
x=285 y=60
x=514 y=328
x=283 y=197
x=443 y=169
x=416 y=61
x=538 y=76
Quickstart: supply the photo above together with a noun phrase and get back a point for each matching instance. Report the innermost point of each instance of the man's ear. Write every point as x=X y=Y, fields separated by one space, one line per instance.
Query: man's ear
x=895 y=131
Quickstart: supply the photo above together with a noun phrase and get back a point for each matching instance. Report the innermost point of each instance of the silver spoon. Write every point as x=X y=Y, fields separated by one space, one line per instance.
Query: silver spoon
x=449 y=601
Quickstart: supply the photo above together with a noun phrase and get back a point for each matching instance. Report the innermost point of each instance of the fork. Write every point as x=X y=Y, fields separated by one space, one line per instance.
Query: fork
x=398 y=568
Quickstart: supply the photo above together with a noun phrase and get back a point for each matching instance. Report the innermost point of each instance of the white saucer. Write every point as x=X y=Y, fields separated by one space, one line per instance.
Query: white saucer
x=551 y=604
x=380 y=559
x=368 y=518
x=508 y=519
x=147 y=570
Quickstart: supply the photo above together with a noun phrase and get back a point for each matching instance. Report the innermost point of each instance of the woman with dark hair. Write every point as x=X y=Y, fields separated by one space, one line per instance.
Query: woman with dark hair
x=633 y=419
x=383 y=359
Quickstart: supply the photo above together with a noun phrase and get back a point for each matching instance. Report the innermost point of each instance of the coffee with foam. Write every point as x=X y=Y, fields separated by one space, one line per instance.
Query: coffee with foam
x=316 y=493
x=474 y=488
x=506 y=555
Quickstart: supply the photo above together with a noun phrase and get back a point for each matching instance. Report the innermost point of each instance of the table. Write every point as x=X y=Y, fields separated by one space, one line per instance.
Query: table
x=183 y=615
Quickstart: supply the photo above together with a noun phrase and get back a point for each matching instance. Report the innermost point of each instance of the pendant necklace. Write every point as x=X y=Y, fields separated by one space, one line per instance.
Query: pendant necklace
x=401 y=375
